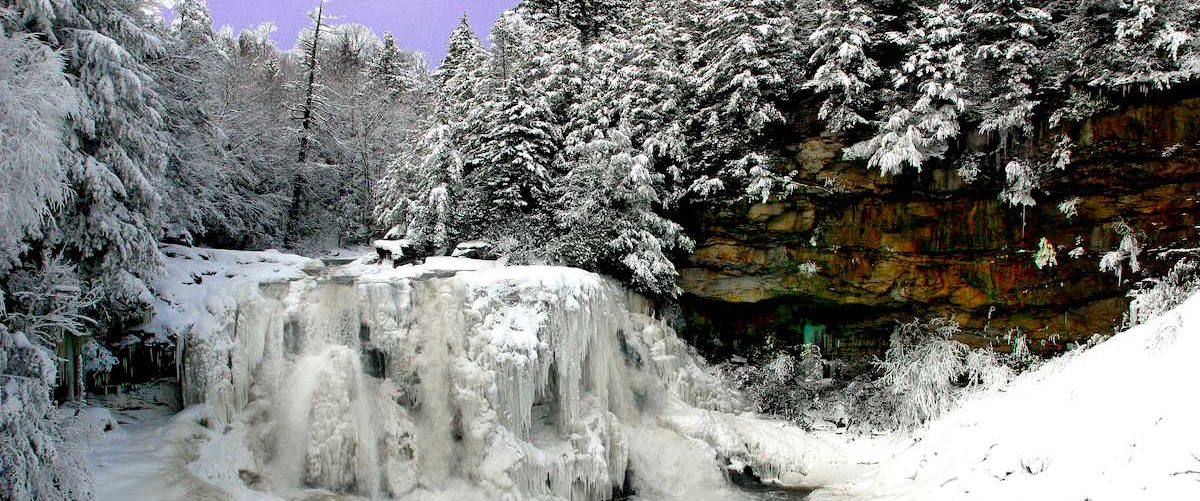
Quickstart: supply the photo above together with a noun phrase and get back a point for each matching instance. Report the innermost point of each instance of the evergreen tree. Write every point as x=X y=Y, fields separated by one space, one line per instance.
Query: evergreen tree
x=40 y=297
x=38 y=101
x=845 y=72
x=932 y=75
x=436 y=182
x=745 y=61
x=394 y=72
x=1151 y=45
x=612 y=197
x=611 y=222
x=421 y=190
x=515 y=161
x=43 y=304
x=592 y=18
x=112 y=222
x=1007 y=59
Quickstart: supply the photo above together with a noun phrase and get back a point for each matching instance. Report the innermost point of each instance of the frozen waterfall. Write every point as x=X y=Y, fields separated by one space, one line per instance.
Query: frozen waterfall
x=501 y=383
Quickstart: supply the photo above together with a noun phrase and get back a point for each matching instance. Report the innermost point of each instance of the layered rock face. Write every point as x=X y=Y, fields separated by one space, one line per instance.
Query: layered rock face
x=842 y=260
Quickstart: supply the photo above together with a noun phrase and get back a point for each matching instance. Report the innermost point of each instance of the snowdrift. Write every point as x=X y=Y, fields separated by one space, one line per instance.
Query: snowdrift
x=1118 y=421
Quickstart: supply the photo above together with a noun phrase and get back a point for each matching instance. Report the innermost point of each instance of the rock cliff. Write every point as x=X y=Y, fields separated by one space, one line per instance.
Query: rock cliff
x=840 y=261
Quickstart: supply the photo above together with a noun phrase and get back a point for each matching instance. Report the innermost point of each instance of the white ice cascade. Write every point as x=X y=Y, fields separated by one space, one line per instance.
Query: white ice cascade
x=509 y=383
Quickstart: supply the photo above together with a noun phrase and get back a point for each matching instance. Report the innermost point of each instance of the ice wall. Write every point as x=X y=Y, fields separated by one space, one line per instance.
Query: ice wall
x=505 y=383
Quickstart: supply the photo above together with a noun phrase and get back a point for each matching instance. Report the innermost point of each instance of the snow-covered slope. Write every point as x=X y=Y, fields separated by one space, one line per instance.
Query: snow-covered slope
x=1116 y=422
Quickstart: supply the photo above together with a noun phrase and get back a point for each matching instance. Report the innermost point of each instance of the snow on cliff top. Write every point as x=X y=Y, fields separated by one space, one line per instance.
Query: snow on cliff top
x=1118 y=421
x=199 y=284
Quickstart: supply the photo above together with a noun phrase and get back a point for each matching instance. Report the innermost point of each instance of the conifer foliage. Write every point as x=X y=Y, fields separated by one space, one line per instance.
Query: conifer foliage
x=594 y=128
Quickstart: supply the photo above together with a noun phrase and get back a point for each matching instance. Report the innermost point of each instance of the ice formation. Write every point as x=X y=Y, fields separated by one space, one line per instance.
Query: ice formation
x=489 y=383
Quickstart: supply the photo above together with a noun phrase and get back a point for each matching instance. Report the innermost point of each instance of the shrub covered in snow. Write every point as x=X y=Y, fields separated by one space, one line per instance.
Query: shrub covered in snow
x=809 y=391
x=786 y=385
x=1156 y=296
x=923 y=375
x=926 y=372
x=921 y=370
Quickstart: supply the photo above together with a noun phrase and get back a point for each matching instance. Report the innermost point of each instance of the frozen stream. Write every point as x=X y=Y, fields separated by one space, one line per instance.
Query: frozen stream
x=454 y=381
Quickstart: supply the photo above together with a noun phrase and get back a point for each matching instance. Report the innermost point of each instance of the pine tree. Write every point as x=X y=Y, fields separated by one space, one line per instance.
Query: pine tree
x=40 y=298
x=37 y=460
x=610 y=221
x=436 y=183
x=464 y=51
x=745 y=61
x=932 y=76
x=399 y=95
x=515 y=159
x=38 y=101
x=845 y=72
x=394 y=72
x=421 y=190
x=1153 y=45
x=1007 y=35
x=592 y=18
x=611 y=199
x=111 y=224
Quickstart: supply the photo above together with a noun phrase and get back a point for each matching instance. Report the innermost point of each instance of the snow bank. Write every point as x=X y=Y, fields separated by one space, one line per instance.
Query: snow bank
x=1117 y=421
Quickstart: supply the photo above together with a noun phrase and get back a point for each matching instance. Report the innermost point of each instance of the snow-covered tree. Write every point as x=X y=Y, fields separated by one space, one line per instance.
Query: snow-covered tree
x=429 y=186
x=309 y=110
x=593 y=18
x=609 y=221
x=745 y=60
x=395 y=72
x=111 y=223
x=384 y=117
x=420 y=190
x=202 y=193
x=1152 y=45
x=515 y=159
x=612 y=198
x=37 y=102
x=1006 y=64
x=43 y=303
x=248 y=111
x=844 y=70
x=932 y=76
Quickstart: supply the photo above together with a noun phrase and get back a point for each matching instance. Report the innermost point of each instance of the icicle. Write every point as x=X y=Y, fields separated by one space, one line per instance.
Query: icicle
x=519 y=382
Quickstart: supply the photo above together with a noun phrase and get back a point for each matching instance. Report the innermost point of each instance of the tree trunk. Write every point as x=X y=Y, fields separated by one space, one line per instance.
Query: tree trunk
x=292 y=234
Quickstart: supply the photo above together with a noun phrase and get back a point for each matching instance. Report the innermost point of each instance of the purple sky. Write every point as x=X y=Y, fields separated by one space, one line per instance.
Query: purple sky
x=422 y=25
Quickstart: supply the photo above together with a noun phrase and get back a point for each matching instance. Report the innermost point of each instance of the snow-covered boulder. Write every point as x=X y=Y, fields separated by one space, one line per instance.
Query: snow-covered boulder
x=475 y=249
x=397 y=251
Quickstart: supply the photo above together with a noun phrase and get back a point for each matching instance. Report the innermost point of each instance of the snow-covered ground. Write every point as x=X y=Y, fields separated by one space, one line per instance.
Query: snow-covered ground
x=1115 y=422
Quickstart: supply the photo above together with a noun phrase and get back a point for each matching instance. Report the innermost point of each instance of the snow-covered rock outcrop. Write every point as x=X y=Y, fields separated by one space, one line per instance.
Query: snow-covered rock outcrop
x=462 y=378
